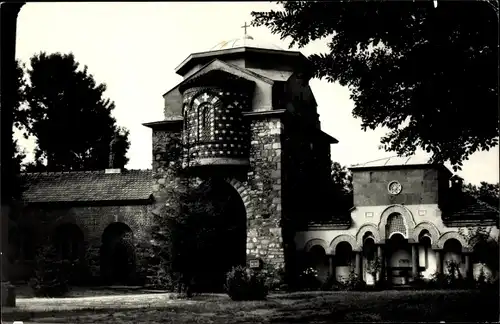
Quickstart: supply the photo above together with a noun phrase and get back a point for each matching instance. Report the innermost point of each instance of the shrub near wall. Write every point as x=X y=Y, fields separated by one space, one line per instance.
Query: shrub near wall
x=243 y=283
x=51 y=274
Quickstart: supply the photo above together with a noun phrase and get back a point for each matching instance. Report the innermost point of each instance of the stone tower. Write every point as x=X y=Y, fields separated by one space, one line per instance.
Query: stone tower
x=245 y=112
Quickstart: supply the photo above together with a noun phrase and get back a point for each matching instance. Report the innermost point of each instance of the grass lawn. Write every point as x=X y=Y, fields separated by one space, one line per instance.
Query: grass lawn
x=312 y=307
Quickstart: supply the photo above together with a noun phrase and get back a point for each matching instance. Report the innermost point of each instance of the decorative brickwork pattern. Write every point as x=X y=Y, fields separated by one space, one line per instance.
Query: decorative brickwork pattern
x=409 y=222
x=214 y=125
x=395 y=224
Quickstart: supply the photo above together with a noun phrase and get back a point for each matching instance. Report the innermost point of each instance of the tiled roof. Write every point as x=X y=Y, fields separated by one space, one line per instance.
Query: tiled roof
x=470 y=208
x=87 y=186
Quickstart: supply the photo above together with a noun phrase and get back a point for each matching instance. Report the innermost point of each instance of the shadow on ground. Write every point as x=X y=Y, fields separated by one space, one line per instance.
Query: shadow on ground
x=311 y=307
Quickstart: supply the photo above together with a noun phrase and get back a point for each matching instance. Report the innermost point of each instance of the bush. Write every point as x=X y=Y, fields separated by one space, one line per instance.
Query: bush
x=243 y=283
x=352 y=282
x=51 y=273
x=274 y=277
x=329 y=284
x=453 y=279
x=309 y=280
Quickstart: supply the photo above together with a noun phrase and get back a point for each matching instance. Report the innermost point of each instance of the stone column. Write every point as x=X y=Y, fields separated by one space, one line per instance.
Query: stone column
x=468 y=267
x=380 y=255
x=414 y=261
x=359 y=267
x=331 y=264
x=8 y=20
x=439 y=262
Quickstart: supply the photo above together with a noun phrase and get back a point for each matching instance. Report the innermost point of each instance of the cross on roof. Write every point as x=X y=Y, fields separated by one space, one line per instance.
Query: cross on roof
x=245 y=27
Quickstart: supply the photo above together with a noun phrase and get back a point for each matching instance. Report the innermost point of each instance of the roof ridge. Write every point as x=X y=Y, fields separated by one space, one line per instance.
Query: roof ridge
x=63 y=172
x=485 y=204
x=81 y=172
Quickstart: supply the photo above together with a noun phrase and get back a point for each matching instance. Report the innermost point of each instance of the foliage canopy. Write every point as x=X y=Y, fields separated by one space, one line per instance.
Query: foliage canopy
x=428 y=74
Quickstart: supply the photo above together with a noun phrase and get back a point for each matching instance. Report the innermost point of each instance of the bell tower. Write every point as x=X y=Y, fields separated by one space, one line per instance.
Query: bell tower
x=245 y=114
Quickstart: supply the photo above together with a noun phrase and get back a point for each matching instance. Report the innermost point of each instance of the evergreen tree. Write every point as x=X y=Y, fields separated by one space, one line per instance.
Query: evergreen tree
x=66 y=111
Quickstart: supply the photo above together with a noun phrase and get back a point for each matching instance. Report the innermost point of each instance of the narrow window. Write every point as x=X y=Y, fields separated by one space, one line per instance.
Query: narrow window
x=204 y=123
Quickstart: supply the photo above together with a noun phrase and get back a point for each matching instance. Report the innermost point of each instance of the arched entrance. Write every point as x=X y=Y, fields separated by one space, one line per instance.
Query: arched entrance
x=398 y=259
x=398 y=250
x=118 y=254
x=316 y=259
x=344 y=260
x=427 y=257
x=453 y=256
x=369 y=258
x=485 y=259
x=220 y=224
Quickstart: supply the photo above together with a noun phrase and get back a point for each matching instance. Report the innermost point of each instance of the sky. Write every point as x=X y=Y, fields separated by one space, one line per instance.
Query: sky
x=134 y=48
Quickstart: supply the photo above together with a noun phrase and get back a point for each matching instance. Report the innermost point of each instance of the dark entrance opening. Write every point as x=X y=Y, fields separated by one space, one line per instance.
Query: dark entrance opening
x=117 y=254
x=399 y=259
x=222 y=230
x=68 y=240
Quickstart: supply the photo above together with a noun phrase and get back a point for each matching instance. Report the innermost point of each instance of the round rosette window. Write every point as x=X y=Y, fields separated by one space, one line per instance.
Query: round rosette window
x=394 y=188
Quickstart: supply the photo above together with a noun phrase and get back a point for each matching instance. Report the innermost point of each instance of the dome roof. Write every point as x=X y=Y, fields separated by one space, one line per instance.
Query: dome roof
x=245 y=41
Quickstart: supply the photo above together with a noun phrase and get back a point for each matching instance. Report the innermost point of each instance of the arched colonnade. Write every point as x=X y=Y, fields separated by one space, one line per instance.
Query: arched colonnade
x=406 y=250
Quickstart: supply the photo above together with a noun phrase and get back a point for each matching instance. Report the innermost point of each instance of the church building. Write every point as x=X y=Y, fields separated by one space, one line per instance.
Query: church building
x=244 y=119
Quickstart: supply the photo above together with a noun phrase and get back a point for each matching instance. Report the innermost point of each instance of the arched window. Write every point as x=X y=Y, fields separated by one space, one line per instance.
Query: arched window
x=395 y=224
x=204 y=122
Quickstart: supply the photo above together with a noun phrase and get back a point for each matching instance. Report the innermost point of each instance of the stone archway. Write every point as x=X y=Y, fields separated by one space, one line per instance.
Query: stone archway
x=118 y=254
x=224 y=243
x=314 y=242
x=244 y=193
x=372 y=228
x=343 y=238
x=453 y=235
x=430 y=228
x=409 y=222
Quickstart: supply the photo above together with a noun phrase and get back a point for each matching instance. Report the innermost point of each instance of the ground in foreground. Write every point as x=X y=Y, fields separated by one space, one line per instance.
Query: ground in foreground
x=314 y=307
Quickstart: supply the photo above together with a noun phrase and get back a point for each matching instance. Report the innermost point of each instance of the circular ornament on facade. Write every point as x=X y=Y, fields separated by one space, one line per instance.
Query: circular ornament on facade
x=394 y=187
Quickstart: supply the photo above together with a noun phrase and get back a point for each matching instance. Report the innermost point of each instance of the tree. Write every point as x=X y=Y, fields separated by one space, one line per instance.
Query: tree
x=18 y=155
x=181 y=227
x=67 y=113
x=412 y=67
x=486 y=192
x=342 y=186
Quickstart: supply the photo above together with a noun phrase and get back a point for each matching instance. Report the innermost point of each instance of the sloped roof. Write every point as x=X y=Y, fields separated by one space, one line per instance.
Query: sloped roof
x=275 y=75
x=393 y=161
x=87 y=186
x=468 y=208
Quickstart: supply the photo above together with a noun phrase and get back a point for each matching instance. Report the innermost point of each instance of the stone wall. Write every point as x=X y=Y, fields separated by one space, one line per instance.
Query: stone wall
x=264 y=236
x=41 y=223
x=420 y=186
x=260 y=190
